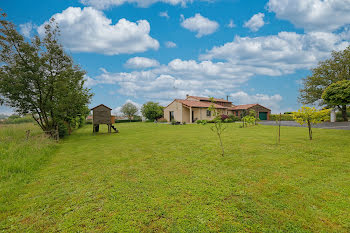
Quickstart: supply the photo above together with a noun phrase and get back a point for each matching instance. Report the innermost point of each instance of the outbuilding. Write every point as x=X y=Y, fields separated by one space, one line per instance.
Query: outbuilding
x=102 y=114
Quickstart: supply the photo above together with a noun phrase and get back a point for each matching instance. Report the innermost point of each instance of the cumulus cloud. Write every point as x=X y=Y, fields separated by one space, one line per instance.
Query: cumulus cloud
x=170 y=44
x=89 y=30
x=313 y=15
x=273 y=102
x=104 y=4
x=231 y=24
x=278 y=54
x=203 y=26
x=26 y=29
x=255 y=22
x=164 y=14
x=117 y=111
x=141 y=63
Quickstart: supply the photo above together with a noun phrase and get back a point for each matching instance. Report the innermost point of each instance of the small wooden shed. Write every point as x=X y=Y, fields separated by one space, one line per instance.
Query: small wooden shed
x=102 y=114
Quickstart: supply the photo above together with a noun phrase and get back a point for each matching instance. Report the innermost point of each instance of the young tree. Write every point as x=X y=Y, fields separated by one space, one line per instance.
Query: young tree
x=335 y=69
x=338 y=94
x=310 y=116
x=219 y=126
x=39 y=78
x=129 y=110
x=152 y=111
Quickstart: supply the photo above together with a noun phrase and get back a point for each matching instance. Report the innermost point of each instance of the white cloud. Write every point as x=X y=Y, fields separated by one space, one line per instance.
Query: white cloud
x=104 y=4
x=117 y=111
x=255 y=22
x=88 y=30
x=141 y=62
x=278 y=54
x=273 y=102
x=313 y=15
x=203 y=26
x=26 y=29
x=170 y=44
x=164 y=14
x=231 y=24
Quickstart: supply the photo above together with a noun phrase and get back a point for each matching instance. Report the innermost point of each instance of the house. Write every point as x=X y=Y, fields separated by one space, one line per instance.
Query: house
x=195 y=108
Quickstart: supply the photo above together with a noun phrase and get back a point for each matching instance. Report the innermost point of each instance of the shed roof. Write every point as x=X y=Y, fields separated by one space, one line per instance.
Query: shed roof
x=101 y=105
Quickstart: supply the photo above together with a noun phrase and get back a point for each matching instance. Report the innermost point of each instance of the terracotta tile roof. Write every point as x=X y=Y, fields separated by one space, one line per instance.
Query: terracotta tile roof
x=208 y=99
x=244 y=107
x=198 y=104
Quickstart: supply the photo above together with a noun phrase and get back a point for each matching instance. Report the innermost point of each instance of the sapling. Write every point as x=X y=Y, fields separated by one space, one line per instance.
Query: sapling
x=219 y=127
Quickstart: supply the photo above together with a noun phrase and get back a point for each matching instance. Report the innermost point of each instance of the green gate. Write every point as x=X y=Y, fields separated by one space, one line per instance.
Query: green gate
x=263 y=116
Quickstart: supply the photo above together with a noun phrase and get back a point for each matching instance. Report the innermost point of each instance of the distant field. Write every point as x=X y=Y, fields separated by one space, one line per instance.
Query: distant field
x=156 y=177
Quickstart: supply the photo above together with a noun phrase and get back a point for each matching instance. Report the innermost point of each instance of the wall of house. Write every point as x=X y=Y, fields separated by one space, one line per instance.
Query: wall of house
x=176 y=107
x=201 y=114
x=257 y=109
x=101 y=115
x=185 y=115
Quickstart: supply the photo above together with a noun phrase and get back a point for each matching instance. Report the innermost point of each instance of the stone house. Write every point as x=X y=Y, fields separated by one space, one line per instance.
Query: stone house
x=195 y=108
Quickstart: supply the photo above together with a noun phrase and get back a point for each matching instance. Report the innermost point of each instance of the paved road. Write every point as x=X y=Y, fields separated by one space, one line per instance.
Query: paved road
x=325 y=125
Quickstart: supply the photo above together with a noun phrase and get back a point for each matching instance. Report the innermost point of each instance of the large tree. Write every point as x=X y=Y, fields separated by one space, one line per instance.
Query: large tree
x=338 y=94
x=332 y=70
x=39 y=78
x=152 y=111
x=129 y=110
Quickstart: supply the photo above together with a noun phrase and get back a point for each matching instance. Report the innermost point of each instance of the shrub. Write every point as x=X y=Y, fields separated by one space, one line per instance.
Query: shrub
x=223 y=117
x=340 y=116
x=228 y=120
x=204 y=122
x=162 y=120
x=173 y=122
x=128 y=121
x=234 y=118
x=184 y=123
x=199 y=122
x=284 y=117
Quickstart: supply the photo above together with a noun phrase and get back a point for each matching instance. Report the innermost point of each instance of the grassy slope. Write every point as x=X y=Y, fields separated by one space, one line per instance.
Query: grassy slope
x=172 y=178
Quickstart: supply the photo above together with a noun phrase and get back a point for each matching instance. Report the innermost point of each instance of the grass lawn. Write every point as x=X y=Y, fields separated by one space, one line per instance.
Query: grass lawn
x=156 y=177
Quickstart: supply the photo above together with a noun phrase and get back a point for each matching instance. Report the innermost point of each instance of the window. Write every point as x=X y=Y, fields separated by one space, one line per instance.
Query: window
x=171 y=115
x=208 y=113
x=237 y=113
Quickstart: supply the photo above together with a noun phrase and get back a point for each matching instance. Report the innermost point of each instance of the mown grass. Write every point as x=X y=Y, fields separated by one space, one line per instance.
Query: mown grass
x=154 y=177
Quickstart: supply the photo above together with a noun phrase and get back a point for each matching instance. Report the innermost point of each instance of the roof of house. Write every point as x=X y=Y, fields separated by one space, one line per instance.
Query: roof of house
x=198 y=104
x=245 y=107
x=208 y=99
x=100 y=106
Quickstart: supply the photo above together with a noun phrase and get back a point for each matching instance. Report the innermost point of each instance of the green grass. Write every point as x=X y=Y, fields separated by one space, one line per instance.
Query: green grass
x=156 y=177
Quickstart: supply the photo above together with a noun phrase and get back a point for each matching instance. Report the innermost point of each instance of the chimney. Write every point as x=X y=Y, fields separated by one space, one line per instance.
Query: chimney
x=227 y=97
x=187 y=95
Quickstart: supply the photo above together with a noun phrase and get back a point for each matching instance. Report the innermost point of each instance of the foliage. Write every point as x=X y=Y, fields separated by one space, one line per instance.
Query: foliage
x=223 y=117
x=39 y=78
x=332 y=70
x=234 y=118
x=338 y=94
x=339 y=116
x=126 y=121
x=129 y=110
x=219 y=126
x=152 y=111
x=310 y=116
x=163 y=120
x=199 y=122
x=15 y=119
x=249 y=121
x=284 y=117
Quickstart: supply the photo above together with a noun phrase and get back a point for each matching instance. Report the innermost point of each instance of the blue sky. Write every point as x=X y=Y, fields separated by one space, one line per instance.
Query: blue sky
x=140 y=50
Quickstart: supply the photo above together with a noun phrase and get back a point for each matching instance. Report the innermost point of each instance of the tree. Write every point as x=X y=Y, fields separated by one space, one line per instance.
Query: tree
x=38 y=78
x=310 y=116
x=152 y=111
x=219 y=126
x=335 y=69
x=129 y=110
x=338 y=94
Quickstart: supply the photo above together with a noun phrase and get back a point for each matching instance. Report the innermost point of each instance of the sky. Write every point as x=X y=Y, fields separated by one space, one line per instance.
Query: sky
x=255 y=51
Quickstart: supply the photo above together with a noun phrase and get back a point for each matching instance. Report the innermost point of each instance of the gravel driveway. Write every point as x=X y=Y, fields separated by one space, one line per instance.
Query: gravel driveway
x=325 y=125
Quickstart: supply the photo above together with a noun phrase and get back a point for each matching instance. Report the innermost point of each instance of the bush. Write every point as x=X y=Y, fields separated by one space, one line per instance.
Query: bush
x=15 y=119
x=340 y=116
x=284 y=117
x=234 y=118
x=128 y=121
x=204 y=122
x=62 y=129
x=162 y=120
x=199 y=122
x=224 y=117
x=173 y=122
x=184 y=123
x=228 y=120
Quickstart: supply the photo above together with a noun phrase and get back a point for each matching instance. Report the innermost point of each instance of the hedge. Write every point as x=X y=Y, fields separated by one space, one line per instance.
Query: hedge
x=284 y=117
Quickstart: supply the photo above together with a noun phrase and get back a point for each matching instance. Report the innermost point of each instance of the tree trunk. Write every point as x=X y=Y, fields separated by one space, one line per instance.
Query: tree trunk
x=310 y=130
x=344 y=113
x=222 y=147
